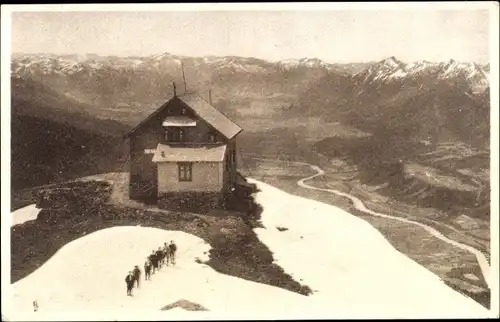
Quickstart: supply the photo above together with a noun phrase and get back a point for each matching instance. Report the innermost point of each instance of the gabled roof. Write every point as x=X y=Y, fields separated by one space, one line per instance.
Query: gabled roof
x=203 y=110
x=201 y=153
x=211 y=115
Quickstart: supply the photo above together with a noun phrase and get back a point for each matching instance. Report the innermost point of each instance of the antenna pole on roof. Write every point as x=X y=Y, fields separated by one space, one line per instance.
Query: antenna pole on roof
x=184 y=78
x=210 y=96
x=175 y=91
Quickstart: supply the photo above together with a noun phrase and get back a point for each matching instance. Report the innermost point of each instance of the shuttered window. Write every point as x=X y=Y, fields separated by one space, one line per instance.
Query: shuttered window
x=185 y=171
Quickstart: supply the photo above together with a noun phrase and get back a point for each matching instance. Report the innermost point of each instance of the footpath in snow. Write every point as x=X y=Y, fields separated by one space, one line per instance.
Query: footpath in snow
x=352 y=266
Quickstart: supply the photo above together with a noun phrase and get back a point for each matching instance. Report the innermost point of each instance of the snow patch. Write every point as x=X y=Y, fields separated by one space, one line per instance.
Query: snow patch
x=471 y=277
x=291 y=63
x=399 y=74
x=24 y=214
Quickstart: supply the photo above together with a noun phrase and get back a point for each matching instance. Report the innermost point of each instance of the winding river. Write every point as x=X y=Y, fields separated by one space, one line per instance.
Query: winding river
x=358 y=204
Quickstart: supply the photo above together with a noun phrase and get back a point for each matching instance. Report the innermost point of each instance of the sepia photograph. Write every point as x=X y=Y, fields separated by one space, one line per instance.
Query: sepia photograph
x=250 y=161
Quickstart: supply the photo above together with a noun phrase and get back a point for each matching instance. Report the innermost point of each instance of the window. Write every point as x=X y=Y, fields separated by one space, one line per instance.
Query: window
x=212 y=137
x=174 y=135
x=183 y=111
x=185 y=171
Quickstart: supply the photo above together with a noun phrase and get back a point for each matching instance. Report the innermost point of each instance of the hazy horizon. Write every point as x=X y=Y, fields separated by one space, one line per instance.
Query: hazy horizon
x=260 y=58
x=334 y=36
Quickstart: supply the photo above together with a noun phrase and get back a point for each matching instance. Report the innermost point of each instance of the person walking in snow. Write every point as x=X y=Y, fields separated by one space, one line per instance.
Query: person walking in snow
x=172 y=250
x=163 y=256
x=154 y=261
x=35 y=305
x=159 y=255
x=129 y=280
x=147 y=269
x=167 y=253
x=137 y=274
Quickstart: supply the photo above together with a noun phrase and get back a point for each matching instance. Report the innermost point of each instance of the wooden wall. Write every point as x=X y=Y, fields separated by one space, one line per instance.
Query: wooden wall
x=143 y=171
x=207 y=176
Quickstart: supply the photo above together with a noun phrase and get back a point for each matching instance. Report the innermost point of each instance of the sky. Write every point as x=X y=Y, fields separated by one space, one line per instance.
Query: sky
x=330 y=35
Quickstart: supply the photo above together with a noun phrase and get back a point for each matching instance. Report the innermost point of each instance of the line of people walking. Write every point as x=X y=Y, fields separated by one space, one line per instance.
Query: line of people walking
x=163 y=256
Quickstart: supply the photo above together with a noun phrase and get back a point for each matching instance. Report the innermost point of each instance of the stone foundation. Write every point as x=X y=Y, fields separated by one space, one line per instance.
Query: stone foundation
x=190 y=201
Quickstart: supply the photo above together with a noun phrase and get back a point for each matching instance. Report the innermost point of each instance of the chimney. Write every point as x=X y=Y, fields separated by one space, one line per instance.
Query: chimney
x=184 y=78
x=175 y=92
x=210 y=96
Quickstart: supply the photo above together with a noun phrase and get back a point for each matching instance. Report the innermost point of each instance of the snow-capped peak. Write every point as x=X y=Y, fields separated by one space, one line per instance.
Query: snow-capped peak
x=391 y=69
x=391 y=62
x=383 y=70
x=161 y=56
x=467 y=70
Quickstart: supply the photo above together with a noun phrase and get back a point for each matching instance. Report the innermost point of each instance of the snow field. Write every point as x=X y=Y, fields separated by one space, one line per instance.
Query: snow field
x=352 y=266
x=354 y=270
x=85 y=279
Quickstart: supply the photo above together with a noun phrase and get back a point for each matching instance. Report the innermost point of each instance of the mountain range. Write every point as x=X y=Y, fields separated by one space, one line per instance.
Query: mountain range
x=112 y=85
x=32 y=64
x=391 y=69
x=436 y=102
x=94 y=67
x=399 y=102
